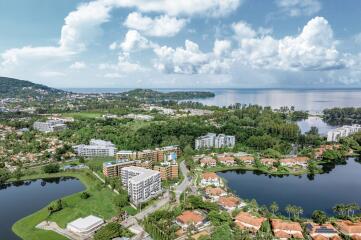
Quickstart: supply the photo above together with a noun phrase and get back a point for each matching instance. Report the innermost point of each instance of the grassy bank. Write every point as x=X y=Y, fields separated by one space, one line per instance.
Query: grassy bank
x=100 y=204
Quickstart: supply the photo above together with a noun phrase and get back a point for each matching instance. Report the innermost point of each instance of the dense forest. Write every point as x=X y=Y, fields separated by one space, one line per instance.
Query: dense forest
x=342 y=116
x=149 y=94
x=14 y=88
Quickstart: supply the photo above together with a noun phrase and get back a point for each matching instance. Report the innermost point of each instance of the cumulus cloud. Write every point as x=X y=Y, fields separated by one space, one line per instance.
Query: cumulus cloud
x=191 y=60
x=123 y=65
x=133 y=41
x=213 y=8
x=243 y=30
x=81 y=26
x=314 y=49
x=295 y=8
x=162 y=26
x=78 y=65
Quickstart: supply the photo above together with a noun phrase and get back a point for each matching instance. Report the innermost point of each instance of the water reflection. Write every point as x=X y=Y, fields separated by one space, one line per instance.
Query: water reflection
x=322 y=191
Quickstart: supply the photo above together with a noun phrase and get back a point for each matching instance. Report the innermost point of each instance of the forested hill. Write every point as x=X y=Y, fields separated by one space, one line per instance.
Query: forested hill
x=177 y=95
x=15 y=88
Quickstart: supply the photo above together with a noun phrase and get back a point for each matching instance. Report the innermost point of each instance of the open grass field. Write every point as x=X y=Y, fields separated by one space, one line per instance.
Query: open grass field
x=100 y=204
x=83 y=114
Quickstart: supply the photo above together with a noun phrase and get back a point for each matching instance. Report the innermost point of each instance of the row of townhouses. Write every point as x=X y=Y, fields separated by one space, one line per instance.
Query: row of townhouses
x=345 y=131
x=212 y=140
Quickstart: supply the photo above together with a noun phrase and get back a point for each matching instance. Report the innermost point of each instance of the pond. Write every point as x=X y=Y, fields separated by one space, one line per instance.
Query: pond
x=338 y=184
x=18 y=200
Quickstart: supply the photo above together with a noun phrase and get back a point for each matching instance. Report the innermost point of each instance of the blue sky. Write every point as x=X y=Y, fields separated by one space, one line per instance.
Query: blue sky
x=178 y=43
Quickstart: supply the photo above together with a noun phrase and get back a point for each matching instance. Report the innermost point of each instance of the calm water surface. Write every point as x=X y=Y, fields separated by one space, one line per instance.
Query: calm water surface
x=339 y=185
x=313 y=100
x=323 y=128
x=21 y=199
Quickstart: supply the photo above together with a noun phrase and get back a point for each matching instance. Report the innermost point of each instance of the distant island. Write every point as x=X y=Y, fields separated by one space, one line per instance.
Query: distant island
x=15 y=88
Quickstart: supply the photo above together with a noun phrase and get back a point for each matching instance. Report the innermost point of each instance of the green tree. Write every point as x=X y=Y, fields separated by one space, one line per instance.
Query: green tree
x=51 y=168
x=319 y=217
x=274 y=207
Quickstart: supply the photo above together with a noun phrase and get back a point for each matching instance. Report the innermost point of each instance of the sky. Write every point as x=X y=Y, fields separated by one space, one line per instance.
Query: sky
x=182 y=43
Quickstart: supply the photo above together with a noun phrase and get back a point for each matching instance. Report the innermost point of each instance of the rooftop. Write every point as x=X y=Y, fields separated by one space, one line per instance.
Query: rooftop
x=142 y=173
x=87 y=223
x=190 y=217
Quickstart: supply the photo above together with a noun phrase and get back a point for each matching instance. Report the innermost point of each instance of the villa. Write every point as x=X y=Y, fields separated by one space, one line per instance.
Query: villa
x=247 y=159
x=285 y=229
x=188 y=218
x=350 y=229
x=214 y=193
x=325 y=231
x=229 y=161
x=229 y=203
x=208 y=161
x=295 y=161
x=210 y=178
x=244 y=220
x=268 y=161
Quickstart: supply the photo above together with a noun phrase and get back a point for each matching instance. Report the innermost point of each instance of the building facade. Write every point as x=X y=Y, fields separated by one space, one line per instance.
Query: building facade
x=142 y=183
x=168 y=170
x=50 y=126
x=95 y=148
x=345 y=131
x=113 y=168
x=211 y=140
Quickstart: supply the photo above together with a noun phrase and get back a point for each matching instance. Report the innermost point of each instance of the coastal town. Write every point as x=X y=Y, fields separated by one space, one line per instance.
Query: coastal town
x=173 y=191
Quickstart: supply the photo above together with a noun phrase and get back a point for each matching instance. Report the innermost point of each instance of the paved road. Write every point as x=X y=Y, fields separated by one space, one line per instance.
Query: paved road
x=186 y=181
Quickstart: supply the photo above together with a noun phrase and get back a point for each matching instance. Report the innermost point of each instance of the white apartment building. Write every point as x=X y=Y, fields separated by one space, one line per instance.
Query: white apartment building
x=49 y=126
x=142 y=183
x=344 y=131
x=96 y=148
x=211 y=140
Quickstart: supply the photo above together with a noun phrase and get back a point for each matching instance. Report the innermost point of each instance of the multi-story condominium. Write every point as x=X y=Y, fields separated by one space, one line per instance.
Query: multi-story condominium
x=123 y=154
x=211 y=140
x=95 y=148
x=168 y=170
x=345 y=131
x=113 y=168
x=142 y=183
x=168 y=153
x=49 y=126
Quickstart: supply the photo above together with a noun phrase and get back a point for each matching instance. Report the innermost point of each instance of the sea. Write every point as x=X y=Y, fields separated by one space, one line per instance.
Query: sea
x=312 y=100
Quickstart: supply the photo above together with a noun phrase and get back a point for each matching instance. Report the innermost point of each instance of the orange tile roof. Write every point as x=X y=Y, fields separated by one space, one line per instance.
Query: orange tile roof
x=319 y=236
x=229 y=201
x=244 y=218
x=246 y=158
x=349 y=227
x=278 y=224
x=209 y=175
x=226 y=159
x=214 y=191
x=190 y=217
x=208 y=160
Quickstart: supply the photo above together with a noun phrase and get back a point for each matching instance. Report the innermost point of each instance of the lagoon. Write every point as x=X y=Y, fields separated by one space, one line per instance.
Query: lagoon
x=338 y=184
x=20 y=199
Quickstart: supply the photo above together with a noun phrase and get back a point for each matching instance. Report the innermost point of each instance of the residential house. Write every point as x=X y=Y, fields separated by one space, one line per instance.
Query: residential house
x=295 y=161
x=210 y=179
x=285 y=229
x=214 y=193
x=268 y=161
x=208 y=161
x=246 y=159
x=228 y=161
x=320 y=232
x=245 y=220
x=229 y=203
x=351 y=229
x=189 y=218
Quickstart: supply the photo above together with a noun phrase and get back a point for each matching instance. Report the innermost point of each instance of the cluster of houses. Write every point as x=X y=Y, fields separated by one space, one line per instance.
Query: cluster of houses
x=233 y=159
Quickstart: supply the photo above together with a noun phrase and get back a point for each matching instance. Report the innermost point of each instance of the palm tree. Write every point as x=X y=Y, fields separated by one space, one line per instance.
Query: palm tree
x=274 y=207
x=289 y=209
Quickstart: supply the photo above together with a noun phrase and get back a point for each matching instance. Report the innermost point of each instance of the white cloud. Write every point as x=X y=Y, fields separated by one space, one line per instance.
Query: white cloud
x=221 y=47
x=357 y=38
x=295 y=8
x=123 y=65
x=191 y=60
x=80 y=28
x=243 y=30
x=314 y=49
x=134 y=41
x=113 y=75
x=162 y=26
x=78 y=65
x=214 y=8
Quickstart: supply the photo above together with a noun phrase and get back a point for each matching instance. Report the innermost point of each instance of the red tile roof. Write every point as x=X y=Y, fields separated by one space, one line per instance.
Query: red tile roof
x=190 y=217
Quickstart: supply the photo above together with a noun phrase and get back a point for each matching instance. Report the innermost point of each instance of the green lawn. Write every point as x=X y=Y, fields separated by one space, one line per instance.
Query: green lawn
x=100 y=204
x=83 y=114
